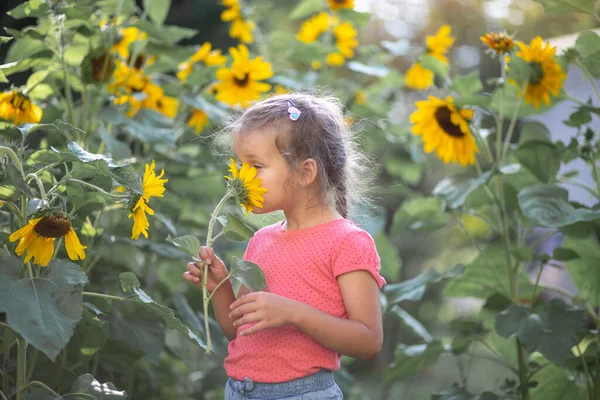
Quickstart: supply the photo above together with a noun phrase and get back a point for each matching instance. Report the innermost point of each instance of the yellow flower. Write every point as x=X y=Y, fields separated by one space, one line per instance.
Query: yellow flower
x=233 y=10
x=128 y=36
x=360 y=97
x=18 y=109
x=337 y=4
x=246 y=185
x=335 y=59
x=203 y=54
x=127 y=79
x=498 y=42
x=185 y=70
x=445 y=128
x=241 y=84
x=547 y=76
x=152 y=186
x=316 y=65
x=37 y=237
x=312 y=28
x=345 y=39
x=419 y=78
x=280 y=89
x=198 y=120
x=438 y=44
x=242 y=30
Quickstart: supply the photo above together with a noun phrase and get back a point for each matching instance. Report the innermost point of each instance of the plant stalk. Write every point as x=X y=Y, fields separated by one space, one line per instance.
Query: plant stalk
x=21 y=364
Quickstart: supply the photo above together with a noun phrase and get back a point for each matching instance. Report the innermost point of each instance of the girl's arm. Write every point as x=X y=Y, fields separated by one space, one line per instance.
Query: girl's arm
x=359 y=336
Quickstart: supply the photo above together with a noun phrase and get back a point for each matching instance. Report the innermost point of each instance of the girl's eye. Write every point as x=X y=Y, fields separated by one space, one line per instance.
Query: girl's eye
x=258 y=166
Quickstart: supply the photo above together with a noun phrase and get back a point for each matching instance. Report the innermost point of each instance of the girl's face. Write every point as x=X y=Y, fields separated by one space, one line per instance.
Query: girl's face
x=258 y=149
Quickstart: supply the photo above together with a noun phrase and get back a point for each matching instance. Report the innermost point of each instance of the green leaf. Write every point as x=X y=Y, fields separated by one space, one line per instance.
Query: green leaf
x=588 y=46
x=14 y=177
x=87 y=385
x=512 y=101
x=455 y=190
x=403 y=168
x=390 y=259
x=542 y=159
x=534 y=132
x=306 y=8
x=583 y=268
x=157 y=10
x=3 y=78
x=411 y=359
x=137 y=329
x=478 y=100
x=237 y=230
x=359 y=19
x=548 y=206
x=168 y=317
x=566 y=6
x=467 y=85
x=520 y=71
x=43 y=310
x=129 y=282
x=248 y=273
x=555 y=383
x=552 y=332
x=188 y=243
x=419 y=214
x=168 y=34
x=378 y=71
x=412 y=324
x=485 y=276
x=563 y=254
x=459 y=393
x=31 y=8
x=435 y=65
x=214 y=112
x=580 y=117
x=413 y=289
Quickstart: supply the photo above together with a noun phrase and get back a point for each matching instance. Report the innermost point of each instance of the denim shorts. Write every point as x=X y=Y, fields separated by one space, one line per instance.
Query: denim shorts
x=318 y=386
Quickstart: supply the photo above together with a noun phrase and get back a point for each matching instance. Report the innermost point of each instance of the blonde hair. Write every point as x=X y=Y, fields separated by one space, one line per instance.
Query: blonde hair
x=321 y=133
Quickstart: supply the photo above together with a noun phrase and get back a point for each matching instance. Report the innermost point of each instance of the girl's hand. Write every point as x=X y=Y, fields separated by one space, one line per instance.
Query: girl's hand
x=268 y=310
x=217 y=271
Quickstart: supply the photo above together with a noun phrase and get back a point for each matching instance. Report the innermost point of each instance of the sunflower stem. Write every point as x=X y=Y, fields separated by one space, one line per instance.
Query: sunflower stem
x=61 y=46
x=209 y=242
x=513 y=122
x=13 y=207
x=104 y=296
x=21 y=370
x=39 y=183
x=117 y=196
x=500 y=120
x=589 y=76
x=14 y=157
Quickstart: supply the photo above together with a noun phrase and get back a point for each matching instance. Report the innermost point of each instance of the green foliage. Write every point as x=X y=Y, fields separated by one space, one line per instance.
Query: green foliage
x=410 y=359
x=248 y=273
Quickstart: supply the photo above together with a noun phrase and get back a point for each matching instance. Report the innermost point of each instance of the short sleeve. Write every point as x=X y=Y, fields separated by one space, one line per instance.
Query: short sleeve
x=248 y=253
x=357 y=252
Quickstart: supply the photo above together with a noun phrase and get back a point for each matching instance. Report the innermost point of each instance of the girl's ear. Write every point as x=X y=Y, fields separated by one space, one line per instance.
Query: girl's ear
x=308 y=172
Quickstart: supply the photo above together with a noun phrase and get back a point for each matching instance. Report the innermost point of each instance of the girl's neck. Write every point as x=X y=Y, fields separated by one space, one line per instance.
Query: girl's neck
x=309 y=217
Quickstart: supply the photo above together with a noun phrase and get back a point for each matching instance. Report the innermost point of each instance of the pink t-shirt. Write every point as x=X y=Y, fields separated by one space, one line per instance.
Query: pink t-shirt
x=302 y=265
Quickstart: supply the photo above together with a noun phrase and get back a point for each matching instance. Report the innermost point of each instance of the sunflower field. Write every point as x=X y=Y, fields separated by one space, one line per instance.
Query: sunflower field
x=113 y=173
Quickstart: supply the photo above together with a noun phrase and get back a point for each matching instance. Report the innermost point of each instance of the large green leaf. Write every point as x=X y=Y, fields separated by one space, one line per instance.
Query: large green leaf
x=88 y=385
x=188 y=243
x=467 y=85
x=411 y=359
x=552 y=332
x=542 y=159
x=248 y=274
x=555 y=383
x=431 y=63
x=565 y=6
x=588 y=46
x=419 y=214
x=412 y=324
x=455 y=190
x=548 y=206
x=43 y=310
x=31 y=8
x=413 y=289
x=583 y=267
x=157 y=10
x=390 y=259
x=306 y=8
x=137 y=328
x=237 y=230
x=169 y=34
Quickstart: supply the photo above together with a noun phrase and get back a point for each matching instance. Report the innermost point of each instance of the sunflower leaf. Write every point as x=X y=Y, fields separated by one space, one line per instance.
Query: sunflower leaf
x=87 y=385
x=433 y=64
x=237 y=230
x=306 y=8
x=588 y=47
x=466 y=85
x=157 y=10
x=455 y=190
x=248 y=274
x=129 y=282
x=566 y=6
x=188 y=243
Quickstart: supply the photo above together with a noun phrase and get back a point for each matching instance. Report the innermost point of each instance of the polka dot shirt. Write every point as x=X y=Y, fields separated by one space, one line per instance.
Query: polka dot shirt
x=302 y=265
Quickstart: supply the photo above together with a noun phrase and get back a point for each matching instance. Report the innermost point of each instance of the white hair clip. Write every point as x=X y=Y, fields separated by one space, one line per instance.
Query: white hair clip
x=293 y=111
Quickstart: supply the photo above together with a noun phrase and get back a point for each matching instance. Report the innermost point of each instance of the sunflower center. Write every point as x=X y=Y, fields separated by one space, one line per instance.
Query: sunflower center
x=442 y=115
x=240 y=190
x=243 y=82
x=54 y=226
x=537 y=73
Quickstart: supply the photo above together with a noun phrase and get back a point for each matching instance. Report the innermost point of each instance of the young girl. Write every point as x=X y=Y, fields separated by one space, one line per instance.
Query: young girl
x=322 y=271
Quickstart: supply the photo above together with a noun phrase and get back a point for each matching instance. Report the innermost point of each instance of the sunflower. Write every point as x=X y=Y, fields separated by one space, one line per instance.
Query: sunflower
x=198 y=120
x=241 y=84
x=246 y=186
x=547 y=75
x=345 y=39
x=17 y=108
x=152 y=186
x=438 y=44
x=445 y=129
x=242 y=30
x=232 y=12
x=204 y=54
x=419 y=78
x=335 y=59
x=37 y=237
x=313 y=27
x=338 y=4
x=360 y=97
x=128 y=36
x=498 y=42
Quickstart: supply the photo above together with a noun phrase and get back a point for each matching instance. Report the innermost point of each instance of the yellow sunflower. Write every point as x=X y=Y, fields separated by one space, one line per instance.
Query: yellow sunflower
x=152 y=186
x=444 y=128
x=241 y=84
x=438 y=44
x=360 y=97
x=335 y=59
x=37 y=237
x=345 y=39
x=246 y=185
x=128 y=36
x=198 y=120
x=232 y=12
x=547 y=75
x=338 y=4
x=313 y=27
x=242 y=30
x=419 y=78
x=18 y=109
x=203 y=54
x=498 y=42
